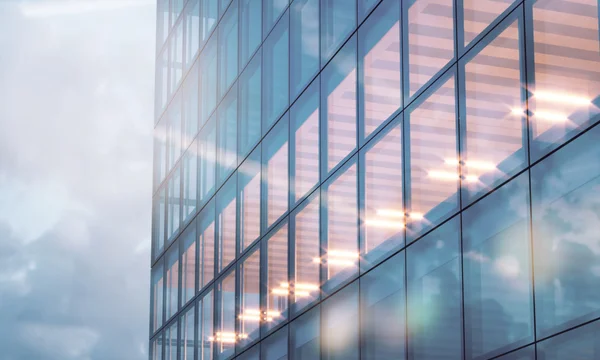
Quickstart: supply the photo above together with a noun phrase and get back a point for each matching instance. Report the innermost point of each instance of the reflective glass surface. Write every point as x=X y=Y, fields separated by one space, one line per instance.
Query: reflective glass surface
x=250 y=28
x=305 y=336
x=566 y=208
x=339 y=323
x=188 y=264
x=277 y=281
x=276 y=174
x=249 y=194
x=226 y=224
x=187 y=337
x=275 y=95
x=304 y=43
x=383 y=311
x=225 y=335
x=250 y=110
x=250 y=315
x=206 y=245
x=338 y=19
x=497 y=271
x=275 y=347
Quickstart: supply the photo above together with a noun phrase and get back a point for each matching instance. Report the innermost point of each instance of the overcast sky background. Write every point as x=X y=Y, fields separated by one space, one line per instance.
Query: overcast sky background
x=76 y=95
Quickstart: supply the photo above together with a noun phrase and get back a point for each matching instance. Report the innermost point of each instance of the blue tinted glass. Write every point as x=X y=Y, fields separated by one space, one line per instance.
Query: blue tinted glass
x=304 y=142
x=173 y=211
x=566 y=209
x=187 y=242
x=190 y=182
x=158 y=222
x=156 y=300
x=249 y=177
x=338 y=19
x=276 y=177
x=206 y=244
x=305 y=339
x=527 y=353
x=275 y=72
x=272 y=9
x=172 y=281
x=340 y=325
x=304 y=43
x=250 y=86
x=581 y=343
x=338 y=101
x=227 y=144
x=250 y=33
x=383 y=311
x=206 y=327
x=434 y=295
x=157 y=347
x=209 y=16
x=208 y=80
x=226 y=223
x=225 y=336
x=497 y=271
x=190 y=106
x=207 y=154
x=171 y=344
x=275 y=346
x=379 y=53
x=252 y=354
x=223 y=5
x=364 y=6
x=187 y=337
x=228 y=49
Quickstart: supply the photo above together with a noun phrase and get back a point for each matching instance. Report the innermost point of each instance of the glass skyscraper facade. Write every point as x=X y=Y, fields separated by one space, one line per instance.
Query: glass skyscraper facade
x=366 y=179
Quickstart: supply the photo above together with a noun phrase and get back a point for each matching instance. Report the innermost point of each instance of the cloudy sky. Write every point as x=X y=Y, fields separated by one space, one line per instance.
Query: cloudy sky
x=76 y=94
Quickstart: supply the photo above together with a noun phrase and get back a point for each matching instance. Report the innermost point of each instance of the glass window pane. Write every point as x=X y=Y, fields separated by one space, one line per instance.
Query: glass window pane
x=208 y=80
x=275 y=95
x=192 y=31
x=275 y=347
x=171 y=340
x=278 y=286
x=565 y=65
x=383 y=311
x=206 y=244
x=190 y=182
x=157 y=347
x=581 y=343
x=186 y=341
x=207 y=152
x=250 y=111
x=173 y=215
x=157 y=296
x=364 y=7
x=305 y=338
x=176 y=56
x=497 y=271
x=172 y=281
x=227 y=145
x=162 y=23
x=306 y=254
x=527 y=353
x=176 y=7
x=496 y=143
x=338 y=101
x=273 y=9
x=160 y=153
x=225 y=336
x=566 y=209
x=479 y=14
x=434 y=294
x=340 y=325
x=249 y=188
x=341 y=224
x=209 y=17
x=338 y=19
x=188 y=264
x=252 y=354
x=304 y=121
x=228 y=49
x=304 y=42
x=379 y=52
x=430 y=40
x=158 y=221
x=383 y=207
x=250 y=22
x=174 y=131
x=250 y=316
x=206 y=327
x=226 y=223
x=431 y=128
x=190 y=106
x=276 y=176
x=223 y=5
x=161 y=92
